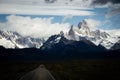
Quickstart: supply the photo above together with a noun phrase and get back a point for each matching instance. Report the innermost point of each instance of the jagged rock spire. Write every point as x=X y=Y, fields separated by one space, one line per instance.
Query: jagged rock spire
x=72 y=33
x=84 y=28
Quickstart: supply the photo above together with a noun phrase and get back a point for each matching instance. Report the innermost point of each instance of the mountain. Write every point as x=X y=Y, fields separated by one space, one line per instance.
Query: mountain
x=82 y=31
x=10 y=39
x=59 y=45
x=116 y=46
x=58 y=48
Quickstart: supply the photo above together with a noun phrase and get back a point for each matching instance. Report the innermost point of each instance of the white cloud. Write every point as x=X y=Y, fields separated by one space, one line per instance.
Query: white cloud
x=82 y=3
x=36 y=27
x=37 y=10
x=93 y=23
x=39 y=7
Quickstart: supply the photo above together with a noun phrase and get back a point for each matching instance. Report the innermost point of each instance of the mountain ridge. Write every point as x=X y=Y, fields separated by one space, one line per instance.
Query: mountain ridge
x=10 y=39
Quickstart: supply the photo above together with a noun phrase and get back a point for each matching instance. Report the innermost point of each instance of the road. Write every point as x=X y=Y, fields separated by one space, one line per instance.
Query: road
x=40 y=73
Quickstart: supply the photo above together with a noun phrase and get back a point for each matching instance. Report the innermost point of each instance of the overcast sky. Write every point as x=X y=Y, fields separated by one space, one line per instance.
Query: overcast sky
x=42 y=18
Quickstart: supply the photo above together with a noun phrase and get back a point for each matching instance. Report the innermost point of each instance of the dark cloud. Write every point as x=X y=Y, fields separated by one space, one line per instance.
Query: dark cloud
x=71 y=0
x=102 y=2
x=116 y=1
x=50 y=1
x=114 y=8
x=113 y=12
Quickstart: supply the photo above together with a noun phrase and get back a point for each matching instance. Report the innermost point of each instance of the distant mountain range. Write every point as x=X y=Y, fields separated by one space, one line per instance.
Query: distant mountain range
x=82 y=32
x=59 y=48
x=10 y=39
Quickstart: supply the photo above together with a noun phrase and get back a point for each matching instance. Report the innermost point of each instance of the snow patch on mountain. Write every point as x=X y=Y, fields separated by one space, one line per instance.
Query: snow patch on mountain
x=6 y=43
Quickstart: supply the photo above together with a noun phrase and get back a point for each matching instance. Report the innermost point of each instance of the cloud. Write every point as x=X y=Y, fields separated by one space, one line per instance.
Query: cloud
x=114 y=10
x=56 y=7
x=37 y=10
x=112 y=5
x=50 y=1
x=93 y=23
x=103 y=2
x=99 y=5
x=36 y=27
x=47 y=7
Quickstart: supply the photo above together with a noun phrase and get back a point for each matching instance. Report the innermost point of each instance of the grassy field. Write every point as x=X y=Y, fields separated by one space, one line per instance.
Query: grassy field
x=67 y=70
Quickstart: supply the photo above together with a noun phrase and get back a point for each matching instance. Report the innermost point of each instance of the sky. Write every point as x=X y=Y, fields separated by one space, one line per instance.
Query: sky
x=43 y=18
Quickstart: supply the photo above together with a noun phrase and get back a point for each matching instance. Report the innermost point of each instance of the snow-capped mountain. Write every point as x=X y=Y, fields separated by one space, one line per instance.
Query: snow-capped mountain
x=58 y=44
x=97 y=37
x=82 y=31
x=51 y=41
x=10 y=39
